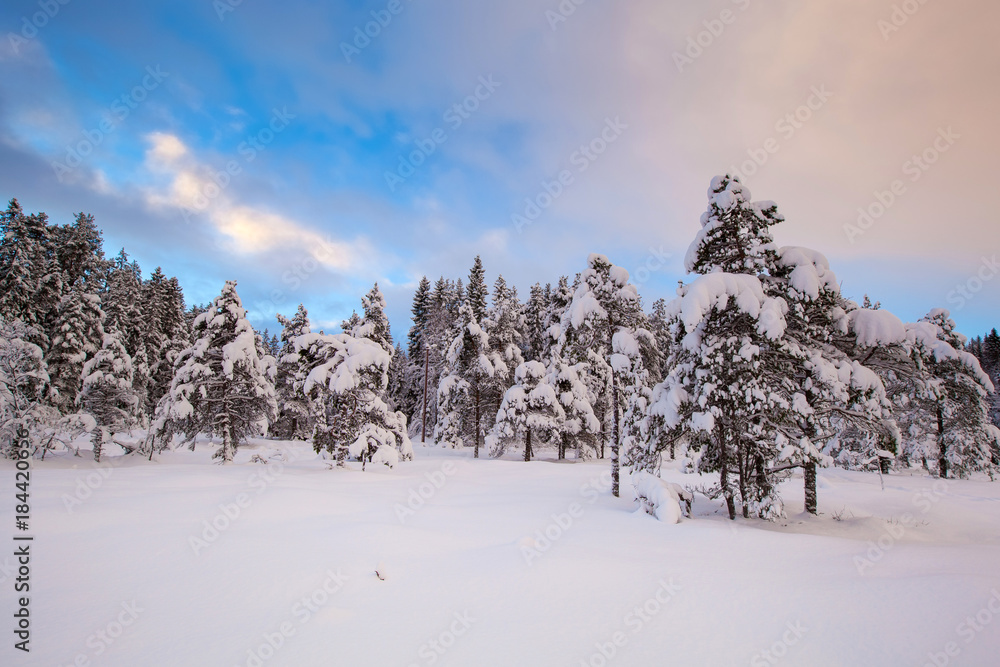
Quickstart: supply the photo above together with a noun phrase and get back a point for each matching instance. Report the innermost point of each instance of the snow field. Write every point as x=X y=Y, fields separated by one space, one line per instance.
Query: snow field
x=493 y=562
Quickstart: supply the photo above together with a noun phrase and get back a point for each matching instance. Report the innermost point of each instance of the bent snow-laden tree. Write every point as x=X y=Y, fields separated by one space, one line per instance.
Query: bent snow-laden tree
x=221 y=386
x=529 y=408
x=345 y=378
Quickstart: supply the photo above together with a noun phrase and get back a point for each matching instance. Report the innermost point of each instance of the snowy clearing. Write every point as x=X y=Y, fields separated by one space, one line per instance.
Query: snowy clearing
x=493 y=562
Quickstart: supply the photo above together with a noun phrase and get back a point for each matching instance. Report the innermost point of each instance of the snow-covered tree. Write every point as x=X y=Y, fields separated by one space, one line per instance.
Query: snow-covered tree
x=504 y=325
x=603 y=304
x=530 y=408
x=580 y=428
x=78 y=334
x=477 y=292
x=220 y=386
x=344 y=376
x=107 y=392
x=536 y=342
x=293 y=420
x=958 y=391
x=374 y=324
x=23 y=377
x=471 y=366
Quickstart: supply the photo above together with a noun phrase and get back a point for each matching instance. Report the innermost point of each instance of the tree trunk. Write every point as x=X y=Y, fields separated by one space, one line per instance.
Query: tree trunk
x=527 y=447
x=942 y=445
x=615 y=435
x=97 y=440
x=427 y=365
x=227 y=442
x=475 y=453
x=741 y=470
x=809 y=479
x=724 y=474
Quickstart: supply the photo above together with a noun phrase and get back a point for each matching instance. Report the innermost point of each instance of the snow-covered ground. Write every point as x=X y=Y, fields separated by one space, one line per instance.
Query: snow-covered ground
x=485 y=562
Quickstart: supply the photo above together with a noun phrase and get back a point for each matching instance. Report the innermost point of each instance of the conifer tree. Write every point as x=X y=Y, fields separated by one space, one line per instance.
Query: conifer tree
x=220 y=386
x=107 y=393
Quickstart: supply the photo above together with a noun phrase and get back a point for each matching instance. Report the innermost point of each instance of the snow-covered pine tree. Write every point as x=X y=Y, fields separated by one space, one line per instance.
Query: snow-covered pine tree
x=536 y=343
x=399 y=391
x=470 y=368
x=220 y=385
x=167 y=332
x=580 y=428
x=122 y=304
x=79 y=250
x=107 y=393
x=530 y=409
x=23 y=377
x=421 y=312
x=715 y=399
x=628 y=362
x=344 y=377
x=374 y=324
x=78 y=335
x=504 y=325
x=30 y=279
x=959 y=392
x=830 y=389
x=293 y=420
x=477 y=292
x=603 y=304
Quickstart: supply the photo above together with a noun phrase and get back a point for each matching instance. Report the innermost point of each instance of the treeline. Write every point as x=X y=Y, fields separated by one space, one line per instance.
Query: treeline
x=758 y=367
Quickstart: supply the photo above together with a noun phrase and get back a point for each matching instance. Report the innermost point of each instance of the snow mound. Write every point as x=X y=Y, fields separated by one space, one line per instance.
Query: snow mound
x=657 y=497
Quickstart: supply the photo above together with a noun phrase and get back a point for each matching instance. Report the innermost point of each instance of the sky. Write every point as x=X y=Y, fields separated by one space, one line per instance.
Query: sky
x=309 y=149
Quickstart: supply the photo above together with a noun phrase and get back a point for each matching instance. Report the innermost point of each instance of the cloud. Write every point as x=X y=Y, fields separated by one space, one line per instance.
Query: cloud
x=194 y=190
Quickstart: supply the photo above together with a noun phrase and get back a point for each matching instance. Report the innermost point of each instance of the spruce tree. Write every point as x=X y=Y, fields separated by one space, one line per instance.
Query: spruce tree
x=220 y=385
x=603 y=304
x=107 y=393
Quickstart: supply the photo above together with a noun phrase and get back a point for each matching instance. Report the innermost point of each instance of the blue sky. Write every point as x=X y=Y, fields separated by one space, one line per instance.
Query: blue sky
x=139 y=112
